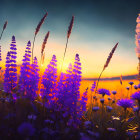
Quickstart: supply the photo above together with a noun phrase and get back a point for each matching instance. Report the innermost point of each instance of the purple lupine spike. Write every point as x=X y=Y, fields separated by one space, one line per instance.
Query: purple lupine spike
x=10 y=75
x=83 y=102
x=34 y=80
x=7 y=74
x=49 y=81
x=66 y=93
x=93 y=86
x=25 y=72
x=76 y=82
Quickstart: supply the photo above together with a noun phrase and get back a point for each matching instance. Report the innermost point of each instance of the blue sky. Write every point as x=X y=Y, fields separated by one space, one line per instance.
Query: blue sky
x=98 y=26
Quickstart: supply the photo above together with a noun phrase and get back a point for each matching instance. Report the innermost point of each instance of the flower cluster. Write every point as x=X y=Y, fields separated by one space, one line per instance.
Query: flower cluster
x=125 y=103
x=10 y=76
x=103 y=92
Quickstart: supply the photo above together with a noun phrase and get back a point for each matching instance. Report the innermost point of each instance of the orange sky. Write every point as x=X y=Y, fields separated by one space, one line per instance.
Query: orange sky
x=92 y=61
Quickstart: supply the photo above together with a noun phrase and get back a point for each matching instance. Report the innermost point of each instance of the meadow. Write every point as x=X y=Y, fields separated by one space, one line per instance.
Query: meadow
x=60 y=106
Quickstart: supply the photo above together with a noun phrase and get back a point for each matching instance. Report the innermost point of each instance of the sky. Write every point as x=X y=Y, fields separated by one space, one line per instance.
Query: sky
x=98 y=26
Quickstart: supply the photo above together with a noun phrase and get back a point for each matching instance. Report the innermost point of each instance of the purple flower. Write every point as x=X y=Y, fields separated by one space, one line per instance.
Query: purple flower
x=102 y=100
x=131 y=83
x=125 y=103
x=135 y=86
x=114 y=92
x=26 y=129
x=83 y=101
x=127 y=88
x=32 y=117
x=109 y=98
x=111 y=129
x=96 y=108
x=10 y=76
x=103 y=92
x=25 y=72
x=109 y=108
x=136 y=96
x=113 y=101
x=49 y=82
x=94 y=97
x=136 y=109
x=93 y=86
x=138 y=85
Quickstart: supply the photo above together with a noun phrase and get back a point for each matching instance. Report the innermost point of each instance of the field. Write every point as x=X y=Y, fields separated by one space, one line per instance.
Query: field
x=59 y=105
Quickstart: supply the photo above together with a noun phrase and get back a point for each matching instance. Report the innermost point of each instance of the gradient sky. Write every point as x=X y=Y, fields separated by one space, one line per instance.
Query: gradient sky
x=98 y=26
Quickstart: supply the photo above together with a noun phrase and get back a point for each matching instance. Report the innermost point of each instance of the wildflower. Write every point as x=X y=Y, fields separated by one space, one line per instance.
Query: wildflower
x=93 y=86
x=113 y=101
x=10 y=76
x=32 y=117
x=109 y=108
x=87 y=123
x=136 y=109
x=111 y=129
x=130 y=134
x=34 y=79
x=94 y=134
x=103 y=92
x=127 y=88
x=136 y=96
x=102 y=101
x=94 y=97
x=95 y=108
x=49 y=82
x=25 y=72
x=49 y=121
x=114 y=92
x=109 y=98
x=26 y=129
x=131 y=83
x=135 y=86
x=138 y=85
x=125 y=103
x=83 y=101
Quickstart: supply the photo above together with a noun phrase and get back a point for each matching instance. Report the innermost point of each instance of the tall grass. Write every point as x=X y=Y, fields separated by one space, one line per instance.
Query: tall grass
x=4 y=27
x=43 y=46
x=68 y=35
x=106 y=64
x=36 y=32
